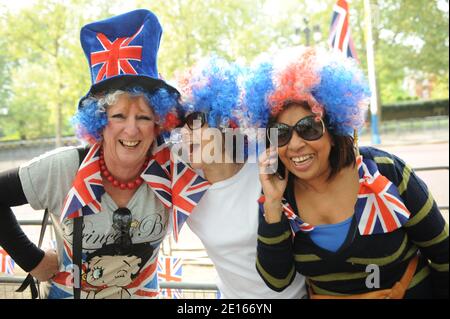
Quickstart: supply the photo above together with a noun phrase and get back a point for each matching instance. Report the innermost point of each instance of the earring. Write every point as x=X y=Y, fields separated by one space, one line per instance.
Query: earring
x=355 y=141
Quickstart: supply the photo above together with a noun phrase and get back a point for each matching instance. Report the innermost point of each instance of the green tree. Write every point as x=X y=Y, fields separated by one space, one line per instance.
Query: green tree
x=194 y=29
x=45 y=73
x=28 y=112
x=49 y=40
x=410 y=37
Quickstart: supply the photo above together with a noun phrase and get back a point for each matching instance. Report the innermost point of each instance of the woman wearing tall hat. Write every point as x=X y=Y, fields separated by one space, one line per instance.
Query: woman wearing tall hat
x=108 y=213
x=357 y=222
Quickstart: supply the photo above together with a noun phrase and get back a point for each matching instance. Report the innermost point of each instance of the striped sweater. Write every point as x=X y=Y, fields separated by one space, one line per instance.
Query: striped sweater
x=351 y=269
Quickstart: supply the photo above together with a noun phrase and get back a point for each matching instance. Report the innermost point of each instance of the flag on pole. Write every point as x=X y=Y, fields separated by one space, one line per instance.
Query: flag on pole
x=340 y=38
x=170 y=270
x=6 y=263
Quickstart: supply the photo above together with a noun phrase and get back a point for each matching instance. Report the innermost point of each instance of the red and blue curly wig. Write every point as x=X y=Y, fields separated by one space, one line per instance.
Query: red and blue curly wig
x=333 y=86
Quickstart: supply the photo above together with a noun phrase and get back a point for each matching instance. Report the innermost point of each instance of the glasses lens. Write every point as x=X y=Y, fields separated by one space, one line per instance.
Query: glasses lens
x=284 y=133
x=196 y=116
x=309 y=128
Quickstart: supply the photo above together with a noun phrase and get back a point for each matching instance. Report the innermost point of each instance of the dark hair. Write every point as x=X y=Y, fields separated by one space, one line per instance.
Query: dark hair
x=342 y=153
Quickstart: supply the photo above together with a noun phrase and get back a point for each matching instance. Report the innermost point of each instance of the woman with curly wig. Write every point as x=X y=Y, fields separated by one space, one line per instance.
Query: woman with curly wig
x=104 y=197
x=357 y=222
x=217 y=110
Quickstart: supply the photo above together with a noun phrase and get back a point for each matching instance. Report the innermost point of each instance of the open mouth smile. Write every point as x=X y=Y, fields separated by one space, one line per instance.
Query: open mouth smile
x=131 y=144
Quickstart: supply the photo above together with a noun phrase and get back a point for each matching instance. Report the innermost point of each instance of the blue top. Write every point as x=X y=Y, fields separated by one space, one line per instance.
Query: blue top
x=331 y=236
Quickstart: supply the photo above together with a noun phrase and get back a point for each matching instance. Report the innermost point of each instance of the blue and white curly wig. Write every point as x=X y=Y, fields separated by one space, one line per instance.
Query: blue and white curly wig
x=91 y=118
x=257 y=86
x=212 y=86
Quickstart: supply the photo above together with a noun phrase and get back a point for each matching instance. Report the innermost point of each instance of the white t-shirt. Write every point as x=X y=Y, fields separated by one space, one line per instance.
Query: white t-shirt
x=46 y=180
x=226 y=221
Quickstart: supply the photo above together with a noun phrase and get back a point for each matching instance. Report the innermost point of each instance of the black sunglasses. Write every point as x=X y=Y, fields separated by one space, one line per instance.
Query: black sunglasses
x=308 y=128
x=195 y=116
x=122 y=224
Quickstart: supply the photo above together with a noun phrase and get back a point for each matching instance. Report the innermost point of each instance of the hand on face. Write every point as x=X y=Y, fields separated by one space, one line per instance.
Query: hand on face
x=272 y=183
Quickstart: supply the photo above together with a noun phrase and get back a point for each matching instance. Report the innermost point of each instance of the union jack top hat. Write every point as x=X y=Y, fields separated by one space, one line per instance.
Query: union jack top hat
x=122 y=51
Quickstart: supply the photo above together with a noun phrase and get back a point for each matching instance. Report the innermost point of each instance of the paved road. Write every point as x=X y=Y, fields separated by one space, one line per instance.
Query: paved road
x=424 y=155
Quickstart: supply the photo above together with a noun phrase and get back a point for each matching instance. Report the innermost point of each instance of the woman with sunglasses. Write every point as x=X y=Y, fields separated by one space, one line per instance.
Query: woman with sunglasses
x=226 y=218
x=358 y=223
x=102 y=198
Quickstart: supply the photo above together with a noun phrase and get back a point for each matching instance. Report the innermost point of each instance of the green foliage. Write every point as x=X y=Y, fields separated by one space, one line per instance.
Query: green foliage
x=29 y=107
x=411 y=40
x=50 y=72
x=194 y=29
x=43 y=75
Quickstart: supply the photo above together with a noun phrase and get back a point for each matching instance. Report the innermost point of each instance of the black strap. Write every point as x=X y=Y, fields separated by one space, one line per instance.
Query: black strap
x=77 y=245
x=82 y=152
x=77 y=250
x=29 y=280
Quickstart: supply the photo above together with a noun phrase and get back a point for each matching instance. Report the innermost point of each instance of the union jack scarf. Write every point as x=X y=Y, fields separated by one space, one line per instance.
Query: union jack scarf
x=378 y=209
x=295 y=222
x=176 y=185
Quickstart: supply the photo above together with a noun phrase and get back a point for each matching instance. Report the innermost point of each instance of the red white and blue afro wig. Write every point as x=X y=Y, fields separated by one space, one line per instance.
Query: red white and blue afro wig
x=334 y=87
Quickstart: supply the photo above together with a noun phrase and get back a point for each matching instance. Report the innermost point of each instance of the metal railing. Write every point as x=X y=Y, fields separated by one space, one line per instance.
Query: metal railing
x=430 y=168
x=37 y=222
x=184 y=290
x=162 y=284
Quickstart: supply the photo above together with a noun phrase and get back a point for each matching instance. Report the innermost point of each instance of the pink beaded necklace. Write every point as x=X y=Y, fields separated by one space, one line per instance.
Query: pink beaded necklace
x=130 y=185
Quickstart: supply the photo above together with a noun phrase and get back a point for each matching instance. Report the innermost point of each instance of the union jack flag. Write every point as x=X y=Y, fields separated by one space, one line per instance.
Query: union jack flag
x=6 y=263
x=157 y=174
x=170 y=270
x=175 y=184
x=379 y=207
x=85 y=195
x=295 y=222
x=187 y=190
x=146 y=284
x=340 y=38
x=116 y=57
